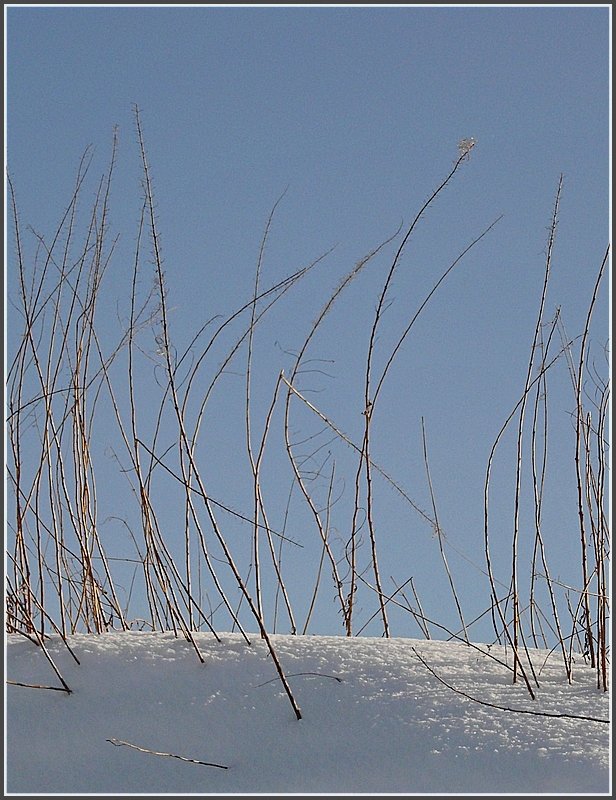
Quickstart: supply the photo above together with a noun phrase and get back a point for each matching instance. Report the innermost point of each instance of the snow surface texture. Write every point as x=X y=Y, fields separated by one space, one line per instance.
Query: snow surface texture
x=375 y=720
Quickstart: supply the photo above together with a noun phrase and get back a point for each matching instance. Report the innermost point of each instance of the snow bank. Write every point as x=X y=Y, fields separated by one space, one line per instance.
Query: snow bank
x=374 y=719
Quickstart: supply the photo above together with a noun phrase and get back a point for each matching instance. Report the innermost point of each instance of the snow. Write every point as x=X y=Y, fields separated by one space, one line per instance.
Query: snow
x=375 y=719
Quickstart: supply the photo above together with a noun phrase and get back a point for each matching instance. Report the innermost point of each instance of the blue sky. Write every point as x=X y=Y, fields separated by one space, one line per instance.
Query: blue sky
x=356 y=112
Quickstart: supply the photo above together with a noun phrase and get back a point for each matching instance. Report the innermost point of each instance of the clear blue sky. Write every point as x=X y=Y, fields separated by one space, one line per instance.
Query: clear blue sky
x=356 y=112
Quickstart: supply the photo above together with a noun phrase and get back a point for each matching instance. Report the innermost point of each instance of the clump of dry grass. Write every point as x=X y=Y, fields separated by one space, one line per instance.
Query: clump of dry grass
x=62 y=379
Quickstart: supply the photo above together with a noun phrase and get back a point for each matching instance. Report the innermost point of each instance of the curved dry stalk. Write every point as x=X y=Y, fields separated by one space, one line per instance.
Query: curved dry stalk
x=437 y=529
x=260 y=508
x=370 y=410
x=424 y=303
x=538 y=474
x=183 y=436
x=328 y=506
x=369 y=403
x=599 y=524
x=294 y=372
x=420 y=618
x=578 y=466
x=496 y=604
x=255 y=475
x=165 y=338
x=516 y=518
x=143 y=497
x=603 y=551
x=538 y=487
x=255 y=464
x=281 y=541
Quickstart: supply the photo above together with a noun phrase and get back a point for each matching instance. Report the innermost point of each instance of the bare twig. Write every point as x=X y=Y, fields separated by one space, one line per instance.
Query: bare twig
x=294 y=372
x=38 y=686
x=496 y=604
x=505 y=708
x=120 y=743
x=516 y=520
x=298 y=674
x=437 y=529
x=578 y=465
x=370 y=399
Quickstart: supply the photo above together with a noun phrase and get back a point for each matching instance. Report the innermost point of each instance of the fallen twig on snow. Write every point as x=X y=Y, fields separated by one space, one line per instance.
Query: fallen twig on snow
x=295 y=674
x=38 y=686
x=505 y=708
x=119 y=743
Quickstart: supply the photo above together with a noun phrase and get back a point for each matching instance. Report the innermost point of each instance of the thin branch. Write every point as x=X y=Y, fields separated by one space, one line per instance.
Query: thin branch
x=120 y=743
x=38 y=686
x=505 y=708
x=437 y=529
x=297 y=674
